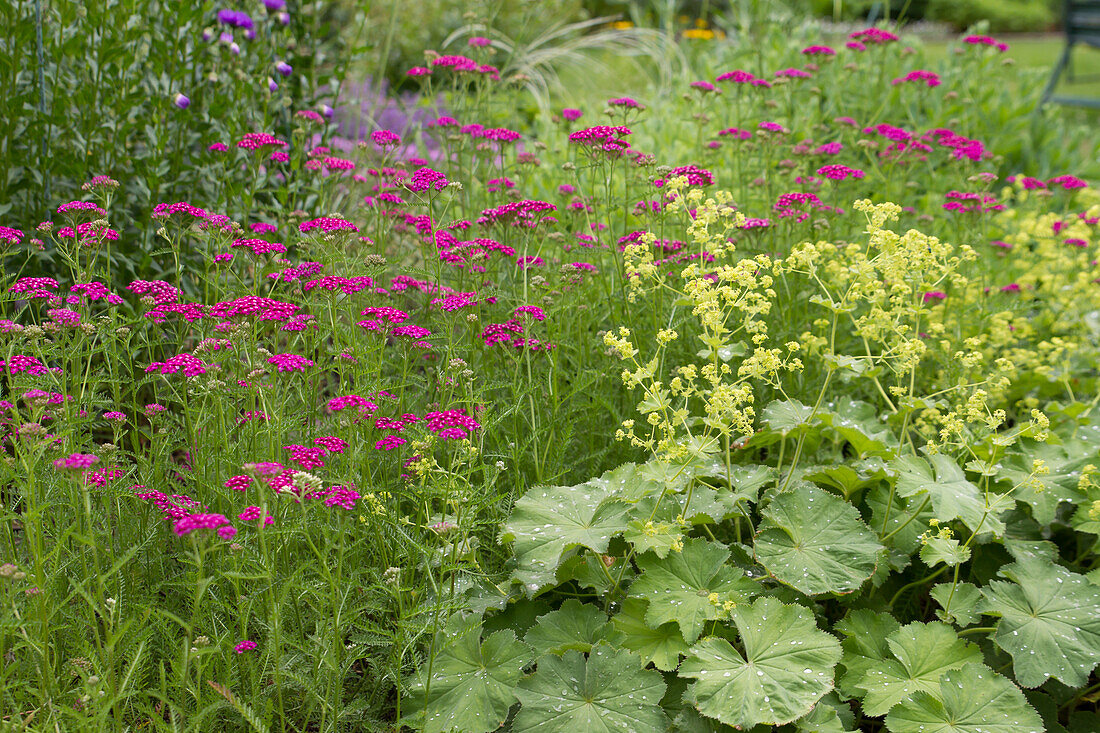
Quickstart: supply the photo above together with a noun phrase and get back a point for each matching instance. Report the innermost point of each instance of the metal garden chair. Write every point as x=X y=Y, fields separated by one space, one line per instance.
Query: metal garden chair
x=1082 y=25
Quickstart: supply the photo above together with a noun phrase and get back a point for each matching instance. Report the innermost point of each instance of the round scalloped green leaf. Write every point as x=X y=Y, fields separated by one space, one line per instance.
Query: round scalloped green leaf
x=953 y=496
x=787 y=667
x=972 y=699
x=1050 y=621
x=472 y=681
x=922 y=653
x=549 y=520
x=964 y=602
x=787 y=416
x=949 y=551
x=691 y=586
x=662 y=645
x=864 y=645
x=1044 y=492
x=608 y=691
x=575 y=625
x=653 y=536
x=816 y=542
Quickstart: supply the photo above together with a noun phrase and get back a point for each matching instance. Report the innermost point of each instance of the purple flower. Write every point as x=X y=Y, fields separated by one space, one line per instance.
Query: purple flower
x=284 y=68
x=271 y=85
x=181 y=101
x=235 y=18
x=274 y=5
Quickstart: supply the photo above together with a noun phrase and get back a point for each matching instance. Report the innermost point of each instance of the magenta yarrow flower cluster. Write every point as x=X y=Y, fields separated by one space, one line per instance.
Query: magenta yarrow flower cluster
x=929 y=78
x=76 y=462
x=82 y=208
x=873 y=36
x=426 y=179
x=327 y=224
x=196 y=522
x=10 y=236
x=986 y=41
x=525 y=213
x=290 y=362
x=973 y=203
x=839 y=172
x=259 y=140
x=238 y=483
x=190 y=365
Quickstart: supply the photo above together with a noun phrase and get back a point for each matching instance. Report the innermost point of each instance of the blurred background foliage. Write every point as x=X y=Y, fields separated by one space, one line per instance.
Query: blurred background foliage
x=90 y=86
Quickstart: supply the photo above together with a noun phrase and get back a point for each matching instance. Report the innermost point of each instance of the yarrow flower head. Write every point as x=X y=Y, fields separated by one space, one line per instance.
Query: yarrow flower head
x=10 y=236
x=737 y=76
x=238 y=483
x=76 y=462
x=929 y=78
x=839 y=172
x=426 y=179
x=244 y=646
x=986 y=41
x=195 y=522
x=290 y=362
x=874 y=36
x=456 y=62
x=259 y=140
x=327 y=224
x=626 y=103
x=385 y=138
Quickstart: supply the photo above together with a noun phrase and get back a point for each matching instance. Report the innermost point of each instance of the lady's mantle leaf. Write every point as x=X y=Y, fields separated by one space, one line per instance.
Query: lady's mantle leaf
x=656 y=536
x=549 y=520
x=787 y=667
x=1044 y=492
x=964 y=600
x=816 y=542
x=662 y=645
x=972 y=699
x=1050 y=621
x=952 y=495
x=943 y=549
x=690 y=587
x=864 y=646
x=824 y=718
x=787 y=417
x=472 y=681
x=922 y=653
x=608 y=691
x=575 y=625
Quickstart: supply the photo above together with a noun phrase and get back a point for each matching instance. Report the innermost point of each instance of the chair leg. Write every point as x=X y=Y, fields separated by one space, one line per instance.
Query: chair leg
x=1058 y=68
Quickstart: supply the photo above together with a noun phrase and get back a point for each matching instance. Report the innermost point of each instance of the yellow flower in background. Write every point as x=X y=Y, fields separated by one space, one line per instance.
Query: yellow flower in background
x=622 y=25
x=699 y=34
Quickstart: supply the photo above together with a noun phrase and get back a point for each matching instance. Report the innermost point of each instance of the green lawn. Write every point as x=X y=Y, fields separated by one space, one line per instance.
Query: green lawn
x=1035 y=52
